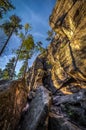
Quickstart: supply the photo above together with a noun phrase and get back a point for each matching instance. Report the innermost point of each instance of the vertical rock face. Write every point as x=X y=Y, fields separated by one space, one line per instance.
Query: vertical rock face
x=62 y=69
x=66 y=55
x=12 y=100
x=68 y=58
x=40 y=73
x=68 y=21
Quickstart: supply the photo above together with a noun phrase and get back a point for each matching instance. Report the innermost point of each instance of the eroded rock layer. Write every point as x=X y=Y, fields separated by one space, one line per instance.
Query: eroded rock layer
x=65 y=59
x=12 y=100
x=36 y=117
x=62 y=68
x=68 y=20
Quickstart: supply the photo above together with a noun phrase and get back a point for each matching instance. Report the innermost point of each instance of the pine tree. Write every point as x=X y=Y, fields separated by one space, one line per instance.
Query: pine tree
x=26 y=48
x=1 y=73
x=39 y=47
x=50 y=35
x=26 y=52
x=5 y=5
x=23 y=70
x=10 y=27
x=8 y=71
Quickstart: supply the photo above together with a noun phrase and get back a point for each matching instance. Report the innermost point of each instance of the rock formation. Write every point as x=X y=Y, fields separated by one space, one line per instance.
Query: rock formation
x=12 y=100
x=60 y=104
x=37 y=114
x=62 y=68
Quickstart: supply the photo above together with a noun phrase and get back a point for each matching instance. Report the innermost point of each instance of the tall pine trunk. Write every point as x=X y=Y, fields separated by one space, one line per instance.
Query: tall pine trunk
x=25 y=70
x=17 y=60
x=2 y=50
x=18 y=55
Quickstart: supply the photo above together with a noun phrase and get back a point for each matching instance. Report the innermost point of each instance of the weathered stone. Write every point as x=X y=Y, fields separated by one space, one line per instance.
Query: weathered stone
x=59 y=122
x=37 y=114
x=36 y=73
x=66 y=56
x=12 y=100
x=79 y=97
x=68 y=21
x=61 y=68
x=40 y=74
x=73 y=106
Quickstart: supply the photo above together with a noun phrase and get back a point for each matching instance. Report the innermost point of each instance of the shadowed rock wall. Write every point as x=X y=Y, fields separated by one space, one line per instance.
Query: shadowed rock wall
x=12 y=100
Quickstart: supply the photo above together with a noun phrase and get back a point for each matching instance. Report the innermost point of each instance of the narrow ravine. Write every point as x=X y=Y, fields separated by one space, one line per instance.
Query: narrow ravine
x=54 y=97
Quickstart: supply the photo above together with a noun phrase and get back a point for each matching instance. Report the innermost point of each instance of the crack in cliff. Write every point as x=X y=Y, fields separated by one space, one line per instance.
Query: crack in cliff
x=47 y=78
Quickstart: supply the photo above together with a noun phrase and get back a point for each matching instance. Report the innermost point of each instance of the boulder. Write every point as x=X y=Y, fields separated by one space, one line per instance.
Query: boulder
x=73 y=106
x=36 y=117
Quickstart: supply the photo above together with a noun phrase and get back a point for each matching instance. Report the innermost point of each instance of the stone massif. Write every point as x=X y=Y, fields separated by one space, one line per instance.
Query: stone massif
x=68 y=21
x=12 y=100
x=64 y=63
x=62 y=70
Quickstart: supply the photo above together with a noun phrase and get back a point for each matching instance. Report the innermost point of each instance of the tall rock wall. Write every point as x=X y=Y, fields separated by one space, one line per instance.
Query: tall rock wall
x=66 y=55
x=68 y=20
x=62 y=68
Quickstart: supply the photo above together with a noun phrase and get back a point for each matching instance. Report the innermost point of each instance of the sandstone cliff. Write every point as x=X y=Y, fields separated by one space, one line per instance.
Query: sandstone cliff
x=62 y=68
x=58 y=76
x=65 y=59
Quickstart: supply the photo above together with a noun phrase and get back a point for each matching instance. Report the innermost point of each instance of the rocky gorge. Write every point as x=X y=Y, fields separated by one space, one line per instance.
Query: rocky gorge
x=57 y=78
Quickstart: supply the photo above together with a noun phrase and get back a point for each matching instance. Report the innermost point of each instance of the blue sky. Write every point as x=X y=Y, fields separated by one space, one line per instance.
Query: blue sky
x=34 y=12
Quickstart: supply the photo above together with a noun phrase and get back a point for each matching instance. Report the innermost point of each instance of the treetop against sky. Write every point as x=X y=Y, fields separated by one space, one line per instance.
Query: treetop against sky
x=34 y=12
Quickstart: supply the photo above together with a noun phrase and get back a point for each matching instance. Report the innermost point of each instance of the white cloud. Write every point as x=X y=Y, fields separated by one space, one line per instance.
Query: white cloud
x=37 y=34
x=29 y=15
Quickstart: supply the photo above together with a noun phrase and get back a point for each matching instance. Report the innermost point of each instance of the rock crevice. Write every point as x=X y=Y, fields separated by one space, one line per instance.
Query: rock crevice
x=58 y=76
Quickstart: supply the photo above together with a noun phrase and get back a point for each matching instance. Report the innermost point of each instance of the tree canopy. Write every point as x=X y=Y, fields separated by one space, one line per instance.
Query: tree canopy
x=5 y=5
x=8 y=71
x=11 y=26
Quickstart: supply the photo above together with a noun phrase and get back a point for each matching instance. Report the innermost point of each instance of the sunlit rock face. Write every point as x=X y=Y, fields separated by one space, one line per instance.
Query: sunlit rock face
x=36 y=73
x=66 y=55
x=62 y=69
x=12 y=100
x=68 y=20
